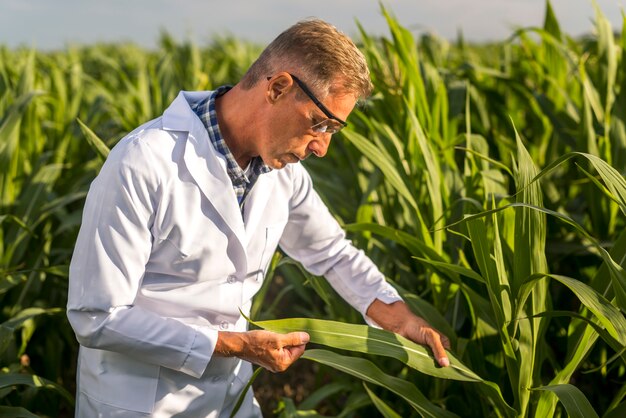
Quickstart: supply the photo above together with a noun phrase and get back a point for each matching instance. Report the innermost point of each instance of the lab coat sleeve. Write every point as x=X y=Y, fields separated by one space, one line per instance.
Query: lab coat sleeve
x=108 y=265
x=314 y=238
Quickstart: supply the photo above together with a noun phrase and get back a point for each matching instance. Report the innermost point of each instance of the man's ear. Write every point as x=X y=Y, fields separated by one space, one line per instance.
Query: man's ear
x=279 y=85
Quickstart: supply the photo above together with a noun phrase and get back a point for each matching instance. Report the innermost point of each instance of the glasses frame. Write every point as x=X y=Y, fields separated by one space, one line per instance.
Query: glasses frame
x=320 y=106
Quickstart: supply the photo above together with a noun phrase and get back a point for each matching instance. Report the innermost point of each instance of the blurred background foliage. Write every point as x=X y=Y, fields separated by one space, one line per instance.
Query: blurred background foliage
x=485 y=181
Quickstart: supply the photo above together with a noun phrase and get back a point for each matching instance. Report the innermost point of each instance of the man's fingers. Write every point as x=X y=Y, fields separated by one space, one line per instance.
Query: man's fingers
x=445 y=341
x=295 y=338
x=294 y=352
x=436 y=343
x=292 y=347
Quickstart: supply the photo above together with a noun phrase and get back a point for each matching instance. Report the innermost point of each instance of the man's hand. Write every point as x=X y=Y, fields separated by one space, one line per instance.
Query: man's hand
x=272 y=351
x=398 y=318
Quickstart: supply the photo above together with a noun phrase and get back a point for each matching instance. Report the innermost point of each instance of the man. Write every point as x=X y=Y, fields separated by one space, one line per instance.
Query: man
x=182 y=221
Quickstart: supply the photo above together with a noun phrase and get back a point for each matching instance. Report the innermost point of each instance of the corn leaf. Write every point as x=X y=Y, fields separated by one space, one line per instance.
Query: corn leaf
x=368 y=372
x=365 y=339
x=410 y=242
x=94 y=140
x=616 y=184
x=13 y=379
x=617 y=272
x=618 y=412
x=575 y=402
x=529 y=257
x=385 y=410
x=9 y=146
x=609 y=316
x=8 y=327
x=324 y=392
x=244 y=391
x=16 y=412
x=454 y=268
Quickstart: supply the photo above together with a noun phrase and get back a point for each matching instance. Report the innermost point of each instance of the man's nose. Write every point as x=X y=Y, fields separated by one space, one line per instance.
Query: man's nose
x=319 y=145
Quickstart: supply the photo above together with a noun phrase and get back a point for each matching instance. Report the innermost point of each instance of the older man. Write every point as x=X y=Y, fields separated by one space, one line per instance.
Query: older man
x=181 y=223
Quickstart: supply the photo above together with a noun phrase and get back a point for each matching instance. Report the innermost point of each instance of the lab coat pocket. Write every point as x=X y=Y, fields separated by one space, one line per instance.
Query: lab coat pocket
x=107 y=376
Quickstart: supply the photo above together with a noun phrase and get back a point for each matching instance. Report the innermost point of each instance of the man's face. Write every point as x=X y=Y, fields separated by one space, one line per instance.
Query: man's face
x=290 y=137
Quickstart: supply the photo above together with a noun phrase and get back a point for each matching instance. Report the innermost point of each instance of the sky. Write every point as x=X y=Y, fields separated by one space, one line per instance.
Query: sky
x=55 y=24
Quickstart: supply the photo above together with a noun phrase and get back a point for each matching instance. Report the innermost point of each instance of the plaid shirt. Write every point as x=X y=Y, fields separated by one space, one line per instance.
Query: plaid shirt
x=242 y=184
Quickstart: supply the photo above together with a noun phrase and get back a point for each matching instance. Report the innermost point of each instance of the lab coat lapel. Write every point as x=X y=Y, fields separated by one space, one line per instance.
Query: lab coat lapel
x=254 y=207
x=209 y=172
x=205 y=166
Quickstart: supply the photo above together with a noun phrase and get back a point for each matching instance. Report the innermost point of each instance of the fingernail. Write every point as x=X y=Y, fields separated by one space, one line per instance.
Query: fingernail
x=304 y=337
x=444 y=362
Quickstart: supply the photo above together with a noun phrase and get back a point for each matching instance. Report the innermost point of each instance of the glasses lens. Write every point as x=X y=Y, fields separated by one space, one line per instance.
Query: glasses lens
x=328 y=126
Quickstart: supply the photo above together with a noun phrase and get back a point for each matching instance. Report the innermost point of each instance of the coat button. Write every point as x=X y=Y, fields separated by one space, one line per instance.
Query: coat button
x=224 y=325
x=231 y=279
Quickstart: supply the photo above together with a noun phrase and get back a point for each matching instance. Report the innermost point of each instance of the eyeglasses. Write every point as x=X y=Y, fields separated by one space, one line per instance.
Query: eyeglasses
x=331 y=125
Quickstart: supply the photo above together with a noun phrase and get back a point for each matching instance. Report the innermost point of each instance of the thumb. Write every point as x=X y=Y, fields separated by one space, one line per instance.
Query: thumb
x=296 y=338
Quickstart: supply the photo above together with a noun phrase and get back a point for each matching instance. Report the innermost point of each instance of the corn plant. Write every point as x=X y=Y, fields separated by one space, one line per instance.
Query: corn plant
x=486 y=181
x=443 y=178
x=54 y=110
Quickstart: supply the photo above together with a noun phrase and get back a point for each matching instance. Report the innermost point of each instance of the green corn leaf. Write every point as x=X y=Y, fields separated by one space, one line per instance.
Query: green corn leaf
x=608 y=54
x=530 y=226
x=16 y=412
x=368 y=372
x=453 y=268
x=487 y=265
x=483 y=157
x=14 y=379
x=27 y=314
x=8 y=282
x=393 y=176
x=591 y=321
x=573 y=399
x=609 y=316
x=432 y=173
x=244 y=391
x=410 y=242
x=287 y=409
x=94 y=140
x=618 y=412
x=9 y=146
x=385 y=410
x=388 y=167
x=482 y=253
x=365 y=339
x=529 y=257
x=616 y=184
x=324 y=392
x=476 y=300
x=8 y=327
x=405 y=50
x=618 y=274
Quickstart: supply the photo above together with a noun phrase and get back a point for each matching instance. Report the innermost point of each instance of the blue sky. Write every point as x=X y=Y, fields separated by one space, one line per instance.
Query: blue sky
x=47 y=24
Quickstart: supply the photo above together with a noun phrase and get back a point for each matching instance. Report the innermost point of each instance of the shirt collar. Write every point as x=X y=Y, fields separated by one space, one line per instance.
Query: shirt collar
x=206 y=112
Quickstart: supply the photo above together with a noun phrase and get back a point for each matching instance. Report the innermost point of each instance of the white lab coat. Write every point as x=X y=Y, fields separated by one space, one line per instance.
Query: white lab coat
x=164 y=260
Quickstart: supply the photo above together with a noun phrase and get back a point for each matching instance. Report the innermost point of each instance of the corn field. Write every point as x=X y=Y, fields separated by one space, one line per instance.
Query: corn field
x=485 y=181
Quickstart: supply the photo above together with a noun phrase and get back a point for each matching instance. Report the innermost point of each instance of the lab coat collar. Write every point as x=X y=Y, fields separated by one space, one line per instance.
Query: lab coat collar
x=205 y=164
x=179 y=116
x=208 y=168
